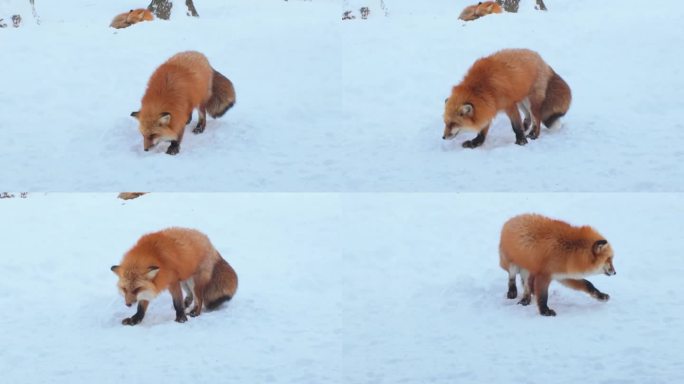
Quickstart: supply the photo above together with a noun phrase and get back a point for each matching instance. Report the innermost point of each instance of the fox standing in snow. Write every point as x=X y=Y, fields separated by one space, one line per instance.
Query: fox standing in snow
x=131 y=17
x=184 y=82
x=171 y=259
x=541 y=249
x=505 y=81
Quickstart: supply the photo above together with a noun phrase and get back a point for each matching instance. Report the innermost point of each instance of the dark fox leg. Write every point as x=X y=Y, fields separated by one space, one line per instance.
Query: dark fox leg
x=512 y=289
x=586 y=286
x=527 y=282
x=177 y=296
x=199 y=298
x=188 y=294
x=137 y=318
x=535 y=110
x=541 y=290
x=174 y=148
x=189 y=119
x=478 y=140
x=516 y=124
x=202 y=113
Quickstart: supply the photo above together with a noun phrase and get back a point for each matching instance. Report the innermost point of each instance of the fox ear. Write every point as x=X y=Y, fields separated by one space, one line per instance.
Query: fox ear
x=135 y=114
x=466 y=110
x=152 y=272
x=115 y=269
x=599 y=246
x=164 y=118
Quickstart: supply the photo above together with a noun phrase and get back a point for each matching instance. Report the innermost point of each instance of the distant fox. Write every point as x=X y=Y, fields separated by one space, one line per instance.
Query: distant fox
x=184 y=82
x=171 y=259
x=541 y=249
x=505 y=81
x=480 y=9
x=131 y=17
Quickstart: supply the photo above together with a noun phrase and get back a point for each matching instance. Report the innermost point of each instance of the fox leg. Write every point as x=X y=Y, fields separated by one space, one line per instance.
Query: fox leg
x=202 y=112
x=187 y=287
x=536 y=103
x=586 y=286
x=516 y=124
x=527 y=292
x=541 y=290
x=512 y=274
x=174 y=148
x=525 y=106
x=177 y=296
x=199 y=298
x=137 y=318
x=478 y=140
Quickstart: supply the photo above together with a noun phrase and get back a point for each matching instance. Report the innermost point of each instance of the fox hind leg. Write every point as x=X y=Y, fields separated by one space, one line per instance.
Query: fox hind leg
x=512 y=274
x=527 y=290
x=187 y=287
x=202 y=123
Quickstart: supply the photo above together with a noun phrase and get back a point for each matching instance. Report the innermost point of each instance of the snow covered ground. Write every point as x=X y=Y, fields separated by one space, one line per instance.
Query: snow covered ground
x=326 y=105
x=351 y=288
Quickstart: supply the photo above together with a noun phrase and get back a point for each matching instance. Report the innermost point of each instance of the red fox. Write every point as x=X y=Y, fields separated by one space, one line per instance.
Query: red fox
x=480 y=9
x=131 y=17
x=184 y=82
x=505 y=81
x=171 y=259
x=541 y=249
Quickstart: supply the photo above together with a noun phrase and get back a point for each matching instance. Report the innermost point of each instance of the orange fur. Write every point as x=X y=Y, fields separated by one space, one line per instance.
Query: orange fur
x=131 y=17
x=487 y=8
x=480 y=9
x=171 y=259
x=503 y=81
x=180 y=85
x=541 y=249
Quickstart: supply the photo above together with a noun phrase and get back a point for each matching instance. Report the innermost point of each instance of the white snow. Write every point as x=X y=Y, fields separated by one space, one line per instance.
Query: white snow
x=350 y=288
x=326 y=105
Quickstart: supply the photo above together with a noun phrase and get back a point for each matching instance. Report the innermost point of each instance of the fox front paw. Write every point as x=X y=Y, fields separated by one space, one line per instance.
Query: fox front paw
x=195 y=312
x=181 y=318
x=525 y=300
x=131 y=320
x=533 y=134
x=600 y=296
x=174 y=148
x=521 y=140
x=547 y=312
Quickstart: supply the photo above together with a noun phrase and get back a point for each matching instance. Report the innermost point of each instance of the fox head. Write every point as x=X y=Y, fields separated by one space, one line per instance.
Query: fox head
x=155 y=129
x=138 y=15
x=603 y=258
x=136 y=283
x=459 y=115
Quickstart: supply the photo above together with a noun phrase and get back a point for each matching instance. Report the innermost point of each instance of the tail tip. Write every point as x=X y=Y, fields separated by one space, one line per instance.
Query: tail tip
x=217 y=302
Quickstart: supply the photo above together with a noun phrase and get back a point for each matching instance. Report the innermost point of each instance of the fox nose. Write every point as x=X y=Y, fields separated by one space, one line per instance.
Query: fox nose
x=444 y=137
x=128 y=304
x=147 y=149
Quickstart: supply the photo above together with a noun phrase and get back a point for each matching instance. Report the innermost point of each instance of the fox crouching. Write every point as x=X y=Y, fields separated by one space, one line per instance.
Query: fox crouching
x=131 y=17
x=542 y=249
x=172 y=259
x=183 y=83
x=505 y=81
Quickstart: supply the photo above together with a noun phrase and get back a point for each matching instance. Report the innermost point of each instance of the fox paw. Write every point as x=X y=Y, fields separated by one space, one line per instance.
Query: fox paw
x=198 y=129
x=181 y=318
x=533 y=134
x=547 y=312
x=525 y=301
x=512 y=294
x=602 y=296
x=471 y=144
x=195 y=312
x=521 y=140
x=174 y=148
x=131 y=321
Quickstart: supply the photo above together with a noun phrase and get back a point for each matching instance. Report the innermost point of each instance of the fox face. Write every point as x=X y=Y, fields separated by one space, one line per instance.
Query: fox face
x=155 y=130
x=136 y=284
x=603 y=254
x=457 y=118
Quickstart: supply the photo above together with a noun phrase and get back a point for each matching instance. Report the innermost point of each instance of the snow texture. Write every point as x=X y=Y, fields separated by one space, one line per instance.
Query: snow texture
x=351 y=288
x=327 y=105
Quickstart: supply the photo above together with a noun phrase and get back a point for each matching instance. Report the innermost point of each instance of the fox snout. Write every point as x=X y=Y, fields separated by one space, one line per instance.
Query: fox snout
x=609 y=270
x=450 y=132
